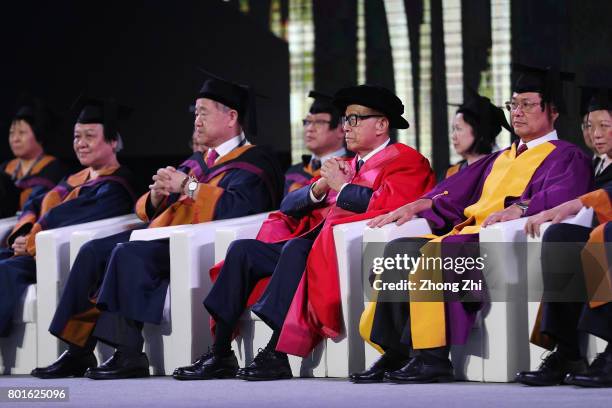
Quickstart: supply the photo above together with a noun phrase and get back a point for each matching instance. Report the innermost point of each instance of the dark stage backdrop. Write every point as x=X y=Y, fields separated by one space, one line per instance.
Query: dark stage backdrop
x=145 y=54
x=571 y=34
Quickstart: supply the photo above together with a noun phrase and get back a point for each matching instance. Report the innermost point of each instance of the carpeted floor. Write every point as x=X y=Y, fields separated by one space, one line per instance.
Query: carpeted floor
x=166 y=392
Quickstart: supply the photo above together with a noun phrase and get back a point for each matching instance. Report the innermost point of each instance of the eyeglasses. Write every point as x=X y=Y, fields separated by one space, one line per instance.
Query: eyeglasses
x=526 y=106
x=318 y=122
x=354 y=119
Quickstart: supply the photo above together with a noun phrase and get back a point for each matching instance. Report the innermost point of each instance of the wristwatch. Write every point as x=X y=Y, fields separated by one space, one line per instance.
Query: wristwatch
x=192 y=186
x=523 y=206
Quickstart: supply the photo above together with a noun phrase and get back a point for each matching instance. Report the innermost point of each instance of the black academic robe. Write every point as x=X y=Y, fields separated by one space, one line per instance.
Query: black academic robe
x=129 y=279
x=75 y=200
x=46 y=172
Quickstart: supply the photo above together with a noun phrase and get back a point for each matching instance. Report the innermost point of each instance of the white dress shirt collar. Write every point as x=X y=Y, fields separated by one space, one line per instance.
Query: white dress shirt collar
x=542 y=139
x=229 y=145
x=373 y=152
x=338 y=153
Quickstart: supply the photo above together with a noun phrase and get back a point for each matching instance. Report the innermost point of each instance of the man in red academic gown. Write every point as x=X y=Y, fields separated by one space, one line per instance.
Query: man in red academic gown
x=296 y=244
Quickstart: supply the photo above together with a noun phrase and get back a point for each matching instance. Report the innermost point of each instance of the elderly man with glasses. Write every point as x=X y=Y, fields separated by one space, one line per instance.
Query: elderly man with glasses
x=534 y=174
x=296 y=244
x=323 y=137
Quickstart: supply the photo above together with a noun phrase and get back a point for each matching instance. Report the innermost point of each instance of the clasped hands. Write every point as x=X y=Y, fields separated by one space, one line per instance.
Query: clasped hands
x=166 y=181
x=334 y=173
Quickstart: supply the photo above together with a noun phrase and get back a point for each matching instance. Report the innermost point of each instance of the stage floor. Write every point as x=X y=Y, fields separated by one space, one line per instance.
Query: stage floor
x=166 y=392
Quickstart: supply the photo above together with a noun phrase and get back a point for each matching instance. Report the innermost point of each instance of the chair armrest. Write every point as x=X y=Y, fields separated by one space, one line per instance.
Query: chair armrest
x=150 y=234
x=509 y=231
x=505 y=263
x=413 y=228
x=6 y=226
x=224 y=236
x=192 y=242
x=191 y=257
x=584 y=218
x=79 y=238
x=52 y=269
x=8 y=221
x=52 y=246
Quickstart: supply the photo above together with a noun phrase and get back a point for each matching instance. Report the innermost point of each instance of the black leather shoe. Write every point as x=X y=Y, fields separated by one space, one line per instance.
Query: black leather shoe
x=209 y=366
x=420 y=371
x=598 y=375
x=120 y=366
x=267 y=365
x=552 y=371
x=376 y=372
x=67 y=365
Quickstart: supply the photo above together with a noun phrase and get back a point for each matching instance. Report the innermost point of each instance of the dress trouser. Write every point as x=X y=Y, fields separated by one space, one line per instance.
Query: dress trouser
x=568 y=322
x=16 y=274
x=391 y=325
x=249 y=261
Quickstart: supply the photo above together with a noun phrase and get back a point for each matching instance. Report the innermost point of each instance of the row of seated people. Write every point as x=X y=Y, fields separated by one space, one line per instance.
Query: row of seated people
x=293 y=254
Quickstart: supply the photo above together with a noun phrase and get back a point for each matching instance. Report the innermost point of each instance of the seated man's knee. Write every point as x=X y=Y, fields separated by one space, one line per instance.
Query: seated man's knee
x=558 y=233
x=241 y=247
x=89 y=247
x=296 y=244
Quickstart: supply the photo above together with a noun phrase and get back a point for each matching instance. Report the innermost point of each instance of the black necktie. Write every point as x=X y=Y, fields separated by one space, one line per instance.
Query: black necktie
x=359 y=164
x=600 y=167
x=315 y=164
x=596 y=162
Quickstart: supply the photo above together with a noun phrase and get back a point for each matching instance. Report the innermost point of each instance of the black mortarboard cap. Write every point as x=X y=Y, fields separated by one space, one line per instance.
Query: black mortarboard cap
x=41 y=118
x=547 y=81
x=490 y=118
x=596 y=85
x=106 y=112
x=374 y=97
x=233 y=95
x=322 y=103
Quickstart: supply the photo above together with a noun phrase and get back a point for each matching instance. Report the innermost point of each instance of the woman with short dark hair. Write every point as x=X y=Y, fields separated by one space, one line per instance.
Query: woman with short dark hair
x=475 y=127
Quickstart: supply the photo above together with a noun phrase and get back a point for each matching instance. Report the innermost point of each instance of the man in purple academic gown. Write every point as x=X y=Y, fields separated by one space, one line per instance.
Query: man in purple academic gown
x=537 y=173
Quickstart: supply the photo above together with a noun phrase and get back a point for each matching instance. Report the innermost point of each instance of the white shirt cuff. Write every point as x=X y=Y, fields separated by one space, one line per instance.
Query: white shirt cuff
x=312 y=196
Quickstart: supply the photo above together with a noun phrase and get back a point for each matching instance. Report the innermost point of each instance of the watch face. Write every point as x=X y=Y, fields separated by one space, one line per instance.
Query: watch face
x=192 y=186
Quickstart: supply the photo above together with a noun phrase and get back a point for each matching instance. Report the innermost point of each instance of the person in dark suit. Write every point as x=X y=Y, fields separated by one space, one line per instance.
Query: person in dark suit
x=601 y=162
x=576 y=276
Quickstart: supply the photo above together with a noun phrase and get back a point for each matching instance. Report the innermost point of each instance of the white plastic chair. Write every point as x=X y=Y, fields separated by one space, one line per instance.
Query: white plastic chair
x=56 y=250
x=28 y=347
x=490 y=353
x=501 y=328
x=254 y=333
x=184 y=334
